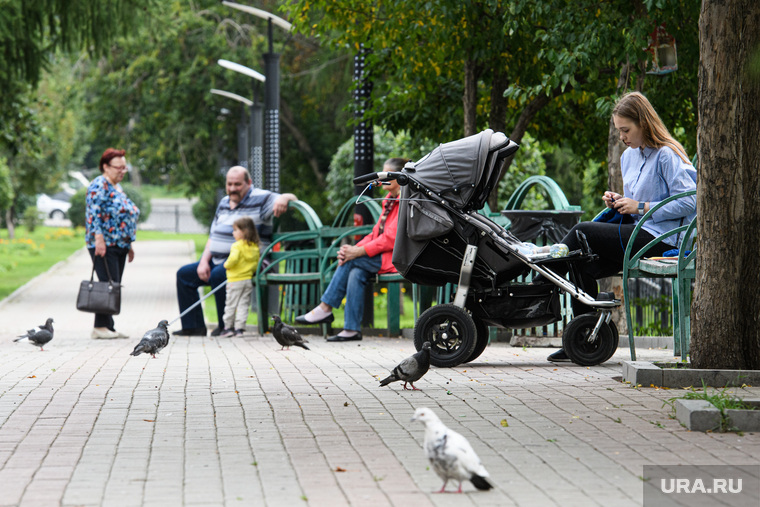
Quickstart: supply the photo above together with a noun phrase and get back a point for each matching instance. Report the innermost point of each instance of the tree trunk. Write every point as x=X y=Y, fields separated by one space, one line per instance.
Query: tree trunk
x=470 y=97
x=9 y=223
x=725 y=313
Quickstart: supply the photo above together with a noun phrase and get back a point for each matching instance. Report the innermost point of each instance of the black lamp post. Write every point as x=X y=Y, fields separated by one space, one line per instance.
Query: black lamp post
x=271 y=96
x=255 y=160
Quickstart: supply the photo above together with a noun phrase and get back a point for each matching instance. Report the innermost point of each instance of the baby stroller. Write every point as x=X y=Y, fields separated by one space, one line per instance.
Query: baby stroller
x=443 y=239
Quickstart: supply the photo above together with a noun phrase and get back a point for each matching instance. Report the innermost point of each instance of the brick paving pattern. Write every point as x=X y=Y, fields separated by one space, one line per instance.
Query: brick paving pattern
x=239 y=422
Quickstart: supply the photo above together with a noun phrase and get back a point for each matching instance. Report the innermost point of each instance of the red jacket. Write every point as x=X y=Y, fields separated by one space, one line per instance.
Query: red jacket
x=376 y=243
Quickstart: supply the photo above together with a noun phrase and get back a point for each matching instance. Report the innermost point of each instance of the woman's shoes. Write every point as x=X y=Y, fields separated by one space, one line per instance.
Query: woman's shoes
x=338 y=338
x=101 y=333
x=316 y=316
x=559 y=357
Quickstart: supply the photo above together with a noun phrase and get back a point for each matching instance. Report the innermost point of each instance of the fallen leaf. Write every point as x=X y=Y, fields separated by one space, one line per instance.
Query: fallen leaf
x=149 y=420
x=346 y=404
x=504 y=423
x=33 y=376
x=339 y=469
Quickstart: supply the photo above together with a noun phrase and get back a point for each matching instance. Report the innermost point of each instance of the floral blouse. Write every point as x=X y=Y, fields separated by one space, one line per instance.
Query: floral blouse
x=110 y=213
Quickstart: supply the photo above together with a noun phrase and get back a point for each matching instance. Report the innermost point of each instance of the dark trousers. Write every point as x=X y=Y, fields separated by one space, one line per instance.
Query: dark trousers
x=609 y=242
x=187 y=293
x=116 y=258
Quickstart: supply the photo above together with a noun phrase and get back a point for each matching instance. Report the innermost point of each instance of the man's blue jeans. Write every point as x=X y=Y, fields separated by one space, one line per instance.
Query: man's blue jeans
x=187 y=294
x=349 y=281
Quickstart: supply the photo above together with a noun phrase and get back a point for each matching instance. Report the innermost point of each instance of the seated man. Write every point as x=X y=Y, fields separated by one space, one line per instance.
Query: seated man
x=357 y=264
x=241 y=200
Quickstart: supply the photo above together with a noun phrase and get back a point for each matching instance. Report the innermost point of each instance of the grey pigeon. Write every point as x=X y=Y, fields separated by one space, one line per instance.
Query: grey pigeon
x=287 y=335
x=39 y=336
x=450 y=454
x=153 y=341
x=411 y=369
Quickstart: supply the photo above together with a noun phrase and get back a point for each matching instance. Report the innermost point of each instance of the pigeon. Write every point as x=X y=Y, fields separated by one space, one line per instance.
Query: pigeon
x=411 y=369
x=153 y=341
x=287 y=335
x=39 y=336
x=450 y=454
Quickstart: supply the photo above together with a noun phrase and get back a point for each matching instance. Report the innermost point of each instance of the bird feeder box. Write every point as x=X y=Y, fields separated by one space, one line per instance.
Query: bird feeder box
x=662 y=46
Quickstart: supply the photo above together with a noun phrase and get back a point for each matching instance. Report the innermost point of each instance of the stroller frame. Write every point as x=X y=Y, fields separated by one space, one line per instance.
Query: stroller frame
x=458 y=330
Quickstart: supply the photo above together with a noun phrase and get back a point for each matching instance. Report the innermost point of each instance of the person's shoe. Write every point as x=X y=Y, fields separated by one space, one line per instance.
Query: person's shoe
x=120 y=335
x=218 y=331
x=559 y=357
x=339 y=338
x=239 y=332
x=191 y=331
x=311 y=319
x=103 y=334
x=226 y=333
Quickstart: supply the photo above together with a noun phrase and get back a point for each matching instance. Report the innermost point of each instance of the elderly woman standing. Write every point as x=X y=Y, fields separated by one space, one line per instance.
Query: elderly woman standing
x=111 y=223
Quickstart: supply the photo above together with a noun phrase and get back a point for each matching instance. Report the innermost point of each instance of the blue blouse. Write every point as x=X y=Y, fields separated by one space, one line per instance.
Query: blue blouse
x=110 y=213
x=653 y=174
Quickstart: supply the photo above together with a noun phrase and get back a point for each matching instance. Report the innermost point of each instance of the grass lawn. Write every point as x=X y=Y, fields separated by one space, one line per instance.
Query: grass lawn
x=32 y=253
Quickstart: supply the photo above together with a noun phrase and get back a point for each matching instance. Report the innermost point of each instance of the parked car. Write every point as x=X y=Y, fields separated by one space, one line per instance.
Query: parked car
x=51 y=207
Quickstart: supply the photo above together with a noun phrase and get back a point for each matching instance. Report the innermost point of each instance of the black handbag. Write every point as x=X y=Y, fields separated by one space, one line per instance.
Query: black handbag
x=99 y=297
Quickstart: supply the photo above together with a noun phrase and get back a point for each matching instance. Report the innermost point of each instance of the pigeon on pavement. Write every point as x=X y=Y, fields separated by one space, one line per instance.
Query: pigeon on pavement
x=39 y=336
x=287 y=335
x=411 y=369
x=450 y=454
x=153 y=341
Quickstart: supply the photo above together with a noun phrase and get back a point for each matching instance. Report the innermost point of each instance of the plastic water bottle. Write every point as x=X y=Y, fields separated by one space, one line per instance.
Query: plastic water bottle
x=558 y=250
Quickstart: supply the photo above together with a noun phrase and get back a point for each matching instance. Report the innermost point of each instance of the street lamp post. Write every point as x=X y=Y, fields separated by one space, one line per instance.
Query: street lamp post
x=244 y=126
x=271 y=95
x=256 y=163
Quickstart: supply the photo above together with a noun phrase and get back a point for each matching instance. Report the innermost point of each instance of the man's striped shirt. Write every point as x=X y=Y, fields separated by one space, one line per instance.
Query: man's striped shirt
x=257 y=204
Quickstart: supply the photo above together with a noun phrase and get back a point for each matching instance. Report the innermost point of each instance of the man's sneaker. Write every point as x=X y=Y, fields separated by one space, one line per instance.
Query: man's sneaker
x=226 y=333
x=559 y=357
x=239 y=332
x=218 y=331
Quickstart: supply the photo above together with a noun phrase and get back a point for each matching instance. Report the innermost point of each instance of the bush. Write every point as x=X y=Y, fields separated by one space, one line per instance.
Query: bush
x=31 y=218
x=77 y=212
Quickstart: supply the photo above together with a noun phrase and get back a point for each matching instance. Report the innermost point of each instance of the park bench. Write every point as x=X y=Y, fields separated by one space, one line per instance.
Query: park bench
x=301 y=260
x=682 y=269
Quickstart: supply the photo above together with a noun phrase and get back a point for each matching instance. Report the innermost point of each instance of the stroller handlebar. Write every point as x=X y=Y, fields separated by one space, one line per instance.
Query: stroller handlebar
x=402 y=178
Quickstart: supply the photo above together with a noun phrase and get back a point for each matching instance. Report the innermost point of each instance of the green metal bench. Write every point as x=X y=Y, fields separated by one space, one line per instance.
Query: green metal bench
x=682 y=269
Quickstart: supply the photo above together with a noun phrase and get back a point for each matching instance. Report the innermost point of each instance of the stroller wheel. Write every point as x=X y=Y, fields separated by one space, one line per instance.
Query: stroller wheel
x=451 y=333
x=580 y=350
x=481 y=340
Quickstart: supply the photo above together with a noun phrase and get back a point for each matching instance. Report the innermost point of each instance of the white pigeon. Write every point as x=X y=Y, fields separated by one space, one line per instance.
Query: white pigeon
x=450 y=454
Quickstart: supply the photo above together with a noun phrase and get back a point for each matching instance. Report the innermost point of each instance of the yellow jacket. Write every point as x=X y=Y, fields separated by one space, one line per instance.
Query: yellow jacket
x=242 y=261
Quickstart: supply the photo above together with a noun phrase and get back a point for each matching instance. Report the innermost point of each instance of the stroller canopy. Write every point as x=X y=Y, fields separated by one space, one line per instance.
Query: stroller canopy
x=456 y=169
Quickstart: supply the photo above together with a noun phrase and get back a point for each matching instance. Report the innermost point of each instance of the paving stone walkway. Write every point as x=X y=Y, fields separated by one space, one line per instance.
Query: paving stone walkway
x=239 y=422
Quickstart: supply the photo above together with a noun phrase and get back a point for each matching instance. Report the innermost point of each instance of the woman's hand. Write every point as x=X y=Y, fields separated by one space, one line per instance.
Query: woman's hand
x=349 y=252
x=609 y=198
x=626 y=206
x=100 y=245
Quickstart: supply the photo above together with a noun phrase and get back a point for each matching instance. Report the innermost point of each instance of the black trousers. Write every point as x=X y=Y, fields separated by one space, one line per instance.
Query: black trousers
x=116 y=258
x=609 y=242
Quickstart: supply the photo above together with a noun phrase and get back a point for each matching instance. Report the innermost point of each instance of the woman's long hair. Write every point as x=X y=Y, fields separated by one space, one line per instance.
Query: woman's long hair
x=639 y=110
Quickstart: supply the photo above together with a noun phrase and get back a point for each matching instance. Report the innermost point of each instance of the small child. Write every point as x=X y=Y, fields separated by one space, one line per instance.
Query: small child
x=240 y=265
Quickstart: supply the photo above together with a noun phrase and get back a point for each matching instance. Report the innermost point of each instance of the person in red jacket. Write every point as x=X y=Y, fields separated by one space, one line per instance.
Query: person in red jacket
x=357 y=264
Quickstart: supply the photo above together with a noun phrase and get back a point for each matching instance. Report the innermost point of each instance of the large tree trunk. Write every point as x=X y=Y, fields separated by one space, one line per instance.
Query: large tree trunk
x=725 y=312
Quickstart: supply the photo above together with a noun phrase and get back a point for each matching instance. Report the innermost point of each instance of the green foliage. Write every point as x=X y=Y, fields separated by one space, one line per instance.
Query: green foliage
x=6 y=186
x=31 y=218
x=340 y=187
x=529 y=161
x=77 y=211
x=137 y=197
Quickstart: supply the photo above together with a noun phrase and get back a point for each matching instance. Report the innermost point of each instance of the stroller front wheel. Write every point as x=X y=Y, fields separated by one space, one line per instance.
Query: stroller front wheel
x=580 y=350
x=451 y=333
